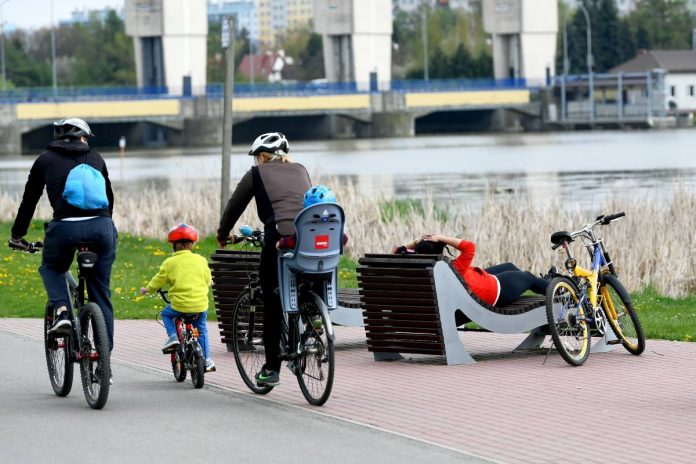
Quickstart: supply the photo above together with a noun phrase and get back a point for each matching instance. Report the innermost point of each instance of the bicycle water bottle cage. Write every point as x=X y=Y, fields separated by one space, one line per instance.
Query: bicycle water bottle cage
x=560 y=237
x=319 y=235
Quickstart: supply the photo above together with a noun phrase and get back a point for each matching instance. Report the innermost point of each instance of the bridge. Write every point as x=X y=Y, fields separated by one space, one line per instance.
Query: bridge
x=157 y=117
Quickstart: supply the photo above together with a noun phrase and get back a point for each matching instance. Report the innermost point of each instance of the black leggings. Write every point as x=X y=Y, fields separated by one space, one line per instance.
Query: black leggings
x=514 y=282
x=272 y=308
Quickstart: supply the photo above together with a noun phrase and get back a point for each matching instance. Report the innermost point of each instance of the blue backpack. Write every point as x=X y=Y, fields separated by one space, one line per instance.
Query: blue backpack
x=85 y=188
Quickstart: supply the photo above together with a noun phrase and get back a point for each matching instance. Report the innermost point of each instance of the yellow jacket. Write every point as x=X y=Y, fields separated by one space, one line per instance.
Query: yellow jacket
x=188 y=277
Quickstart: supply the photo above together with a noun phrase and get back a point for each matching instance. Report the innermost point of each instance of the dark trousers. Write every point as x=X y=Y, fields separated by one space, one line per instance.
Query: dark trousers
x=272 y=308
x=59 y=249
x=514 y=282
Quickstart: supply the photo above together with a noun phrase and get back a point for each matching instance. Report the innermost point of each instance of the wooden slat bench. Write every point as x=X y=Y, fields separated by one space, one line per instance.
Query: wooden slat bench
x=231 y=269
x=415 y=303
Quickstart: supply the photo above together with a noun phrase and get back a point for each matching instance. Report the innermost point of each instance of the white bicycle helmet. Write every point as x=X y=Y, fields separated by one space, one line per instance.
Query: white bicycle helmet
x=71 y=128
x=272 y=142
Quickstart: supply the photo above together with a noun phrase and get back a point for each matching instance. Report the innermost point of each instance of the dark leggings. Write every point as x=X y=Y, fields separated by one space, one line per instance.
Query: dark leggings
x=514 y=282
x=272 y=309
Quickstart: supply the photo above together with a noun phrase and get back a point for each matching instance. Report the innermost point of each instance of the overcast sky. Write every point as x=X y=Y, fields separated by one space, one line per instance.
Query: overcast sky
x=33 y=14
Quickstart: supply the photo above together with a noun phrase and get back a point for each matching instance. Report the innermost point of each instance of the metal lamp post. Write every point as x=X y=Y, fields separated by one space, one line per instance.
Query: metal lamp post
x=2 y=45
x=53 y=51
x=425 y=41
x=589 y=64
x=589 y=59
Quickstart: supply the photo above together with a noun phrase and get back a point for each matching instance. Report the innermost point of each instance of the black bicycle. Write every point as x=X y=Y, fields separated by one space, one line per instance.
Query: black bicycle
x=187 y=355
x=307 y=340
x=87 y=342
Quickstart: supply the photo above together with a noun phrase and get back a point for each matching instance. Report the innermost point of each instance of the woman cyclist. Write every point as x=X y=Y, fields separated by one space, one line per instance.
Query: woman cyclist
x=82 y=211
x=278 y=185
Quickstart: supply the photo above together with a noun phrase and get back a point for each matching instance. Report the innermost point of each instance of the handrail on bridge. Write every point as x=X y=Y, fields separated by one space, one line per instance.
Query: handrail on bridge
x=244 y=90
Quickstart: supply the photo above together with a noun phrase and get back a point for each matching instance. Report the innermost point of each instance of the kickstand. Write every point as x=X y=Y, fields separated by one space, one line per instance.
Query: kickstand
x=547 y=354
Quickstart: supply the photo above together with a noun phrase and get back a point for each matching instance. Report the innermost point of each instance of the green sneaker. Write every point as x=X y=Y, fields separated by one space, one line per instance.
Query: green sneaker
x=267 y=378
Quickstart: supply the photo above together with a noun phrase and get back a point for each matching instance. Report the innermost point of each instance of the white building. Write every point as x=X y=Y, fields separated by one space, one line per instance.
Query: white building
x=679 y=67
x=356 y=39
x=170 y=41
x=524 y=34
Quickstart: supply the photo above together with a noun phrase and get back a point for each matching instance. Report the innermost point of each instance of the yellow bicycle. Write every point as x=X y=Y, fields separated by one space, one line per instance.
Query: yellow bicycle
x=588 y=299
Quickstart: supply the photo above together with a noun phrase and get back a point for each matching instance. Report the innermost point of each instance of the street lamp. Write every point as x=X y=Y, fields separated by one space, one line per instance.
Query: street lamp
x=589 y=63
x=425 y=40
x=53 y=51
x=2 y=44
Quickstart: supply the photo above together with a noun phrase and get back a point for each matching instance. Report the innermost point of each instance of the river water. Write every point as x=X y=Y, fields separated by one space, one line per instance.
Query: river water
x=583 y=168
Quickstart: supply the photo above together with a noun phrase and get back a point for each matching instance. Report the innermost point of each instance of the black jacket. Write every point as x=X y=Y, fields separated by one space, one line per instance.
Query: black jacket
x=51 y=170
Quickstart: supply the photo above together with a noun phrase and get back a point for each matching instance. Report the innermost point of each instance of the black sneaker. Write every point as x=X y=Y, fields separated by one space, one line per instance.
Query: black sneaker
x=267 y=378
x=61 y=325
x=553 y=272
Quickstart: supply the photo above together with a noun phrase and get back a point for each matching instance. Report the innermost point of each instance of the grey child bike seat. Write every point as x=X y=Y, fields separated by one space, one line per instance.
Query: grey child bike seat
x=319 y=230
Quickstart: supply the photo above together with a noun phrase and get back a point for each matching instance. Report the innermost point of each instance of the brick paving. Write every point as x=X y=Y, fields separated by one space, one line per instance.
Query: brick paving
x=508 y=407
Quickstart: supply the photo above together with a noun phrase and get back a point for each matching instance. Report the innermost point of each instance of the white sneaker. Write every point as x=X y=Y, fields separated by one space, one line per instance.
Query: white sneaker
x=170 y=344
x=209 y=365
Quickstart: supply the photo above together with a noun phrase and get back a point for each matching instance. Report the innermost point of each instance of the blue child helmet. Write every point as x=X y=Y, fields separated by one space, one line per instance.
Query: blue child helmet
x=318 y=194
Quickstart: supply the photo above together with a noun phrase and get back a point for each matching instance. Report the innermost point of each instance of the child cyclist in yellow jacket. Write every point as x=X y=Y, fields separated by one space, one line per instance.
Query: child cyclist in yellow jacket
x=188 y=276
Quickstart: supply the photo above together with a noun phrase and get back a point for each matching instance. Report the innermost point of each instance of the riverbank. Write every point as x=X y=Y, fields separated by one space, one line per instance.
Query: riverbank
x=138 y=259
x=650 y=247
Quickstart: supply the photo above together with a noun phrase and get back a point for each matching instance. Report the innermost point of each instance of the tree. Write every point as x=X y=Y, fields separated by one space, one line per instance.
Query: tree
x=662 y=24
x=605 y=36
x=455 y=37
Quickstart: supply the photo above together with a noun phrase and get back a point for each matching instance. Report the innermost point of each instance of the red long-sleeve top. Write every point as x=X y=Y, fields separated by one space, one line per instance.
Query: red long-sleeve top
x=481 y=283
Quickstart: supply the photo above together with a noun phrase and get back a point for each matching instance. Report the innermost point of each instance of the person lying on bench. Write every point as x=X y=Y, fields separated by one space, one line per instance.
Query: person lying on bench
x=497 y=285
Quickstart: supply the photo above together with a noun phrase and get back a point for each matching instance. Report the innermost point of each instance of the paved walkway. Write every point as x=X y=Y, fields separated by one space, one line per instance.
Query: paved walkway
x=507 y=407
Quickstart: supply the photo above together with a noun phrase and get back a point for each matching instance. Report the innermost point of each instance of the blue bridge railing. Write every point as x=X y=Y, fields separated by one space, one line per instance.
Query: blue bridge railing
x=244 y=90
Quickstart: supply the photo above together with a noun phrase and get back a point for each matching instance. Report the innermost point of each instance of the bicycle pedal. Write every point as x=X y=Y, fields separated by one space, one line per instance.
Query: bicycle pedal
x=614 y=342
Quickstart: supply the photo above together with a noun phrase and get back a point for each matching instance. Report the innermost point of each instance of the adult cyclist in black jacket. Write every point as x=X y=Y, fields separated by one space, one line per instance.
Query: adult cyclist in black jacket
x=278 y=185
x=70 y=224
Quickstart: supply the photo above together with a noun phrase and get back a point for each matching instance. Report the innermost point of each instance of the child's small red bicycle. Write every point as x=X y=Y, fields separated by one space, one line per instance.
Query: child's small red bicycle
x=187 y=355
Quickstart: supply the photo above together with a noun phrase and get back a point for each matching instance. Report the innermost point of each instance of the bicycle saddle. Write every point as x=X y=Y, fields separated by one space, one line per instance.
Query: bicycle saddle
x=561 y=236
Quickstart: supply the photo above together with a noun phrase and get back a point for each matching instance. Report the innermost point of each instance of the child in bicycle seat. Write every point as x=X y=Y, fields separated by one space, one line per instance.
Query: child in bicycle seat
x=188 y=276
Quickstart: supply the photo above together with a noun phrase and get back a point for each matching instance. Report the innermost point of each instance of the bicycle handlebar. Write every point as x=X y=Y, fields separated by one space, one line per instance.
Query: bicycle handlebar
x=163 y=294
x=24 y=246
x=601 y=220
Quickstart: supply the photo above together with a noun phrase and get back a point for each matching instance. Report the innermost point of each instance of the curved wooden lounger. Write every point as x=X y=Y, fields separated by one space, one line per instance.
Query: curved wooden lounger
x=415 y=303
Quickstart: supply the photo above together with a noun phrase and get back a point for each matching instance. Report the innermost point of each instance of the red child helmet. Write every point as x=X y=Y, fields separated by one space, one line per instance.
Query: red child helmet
x=182 y=232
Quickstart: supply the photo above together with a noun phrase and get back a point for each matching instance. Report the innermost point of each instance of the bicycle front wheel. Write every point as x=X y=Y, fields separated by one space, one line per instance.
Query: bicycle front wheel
x=315 y=363
x=567 y=321
x=247 y=342
x=621 y=315
x=95 y=357
x=197 y=366
x=60 y=369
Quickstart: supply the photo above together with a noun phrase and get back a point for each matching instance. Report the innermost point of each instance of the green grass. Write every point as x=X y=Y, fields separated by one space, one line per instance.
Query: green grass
x=137 y=261
x=666 y=318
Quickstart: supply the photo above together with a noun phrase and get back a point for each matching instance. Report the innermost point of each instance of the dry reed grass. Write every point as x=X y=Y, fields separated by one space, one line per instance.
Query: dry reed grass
x=653 y=245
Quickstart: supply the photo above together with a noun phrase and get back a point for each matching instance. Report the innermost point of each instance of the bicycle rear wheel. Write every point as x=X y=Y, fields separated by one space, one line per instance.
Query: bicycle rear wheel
x=626 y=326
x=95 y=357
x=197 y=366
x=247 y=342
x=315 y=363
x=567 y=321
x=60 y=369
x=178 y=367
